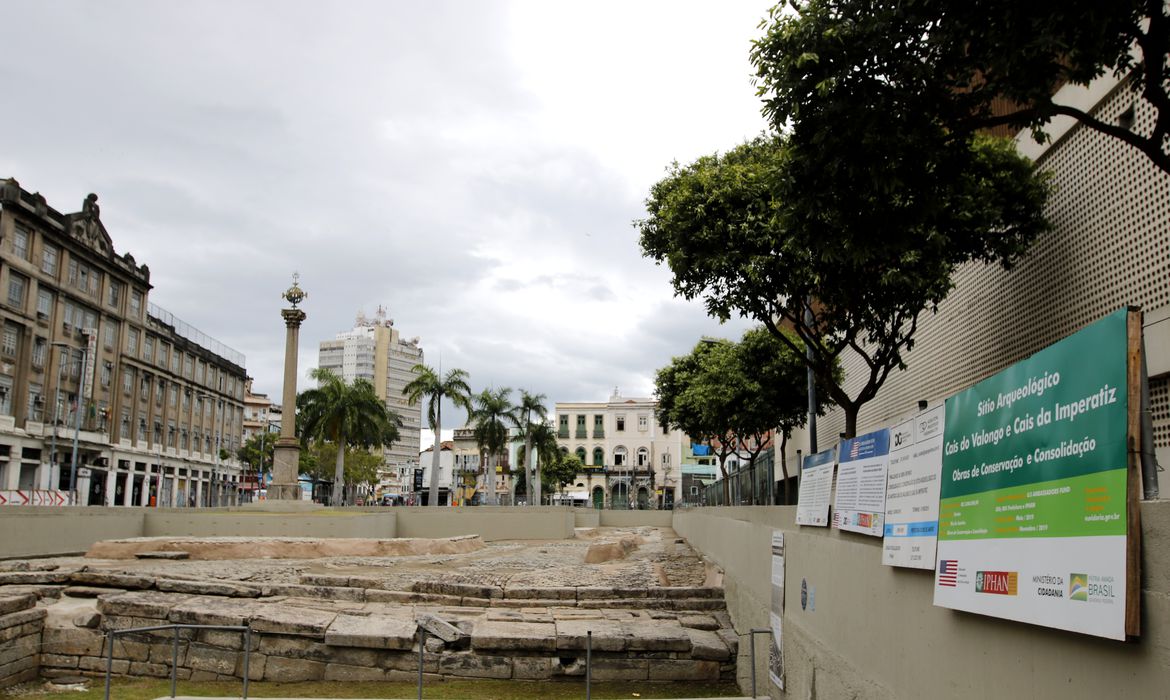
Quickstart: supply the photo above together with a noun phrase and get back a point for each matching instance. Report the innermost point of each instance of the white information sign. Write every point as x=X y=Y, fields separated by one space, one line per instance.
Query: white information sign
x=816 y=488
x=861 y=483
x=776 y=614
x=912 y=491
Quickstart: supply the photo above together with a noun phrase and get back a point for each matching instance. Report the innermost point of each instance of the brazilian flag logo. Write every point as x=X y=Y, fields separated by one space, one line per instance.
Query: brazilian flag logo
x=1078 y=587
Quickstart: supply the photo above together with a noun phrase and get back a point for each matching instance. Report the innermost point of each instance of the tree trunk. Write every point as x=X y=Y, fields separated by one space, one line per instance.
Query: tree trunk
x=529 y=466
x=489 y=481
x=437 y=457
x=339 y=474
x=851 y=411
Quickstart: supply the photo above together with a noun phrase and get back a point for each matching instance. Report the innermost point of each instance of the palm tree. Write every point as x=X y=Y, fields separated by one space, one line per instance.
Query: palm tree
x=492 y=415
x=454 y=386
x=530 y=405
x=346 y=415
x=546 y=449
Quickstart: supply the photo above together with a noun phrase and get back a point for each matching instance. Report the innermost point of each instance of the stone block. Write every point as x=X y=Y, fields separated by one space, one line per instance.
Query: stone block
x=698 y=604
x=656 y=635
x=407 y=661
x=73 y=641
x=256 y=665
x=231 y=590
x=40 y=591
x=226 y=639
x=33 y=577
x=59 y=660
x=355 y=657
x=542 y=592
x=211 y=659
x=699 y=622
x=466 y=665
x=707 y=645
x=674 y=592
x=294 y=647
x=371 y=631
x=617 y=669
x=594 y=592
x=730 y=638
x=17 y=619
x=357 y=595
x=138 y=668
x=109 y=579
x=211 y=611
x=130 y=649
x=140 y=604
x=324 y=580
x=19 y=648
x=162 y=654
x=173 y=555
x=684 y=670
x=89 y=591
x=282 y=670
x=19 y=667
x=438 y=627
x=514 y=636
x=16 y=603
x=377 y=595
x=203 y=676
x=347 y=673
x=98 y=663
x=469 y=602
x=90 y=619
x=608 y=635
x=534 y=668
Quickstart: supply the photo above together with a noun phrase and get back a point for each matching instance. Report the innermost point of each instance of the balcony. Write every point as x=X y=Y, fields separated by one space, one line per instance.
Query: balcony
x=582 y=434
x=563 y=433
x=598 y=432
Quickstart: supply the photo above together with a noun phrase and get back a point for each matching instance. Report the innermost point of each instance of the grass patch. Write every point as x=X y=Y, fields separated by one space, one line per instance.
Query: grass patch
x=138 y=689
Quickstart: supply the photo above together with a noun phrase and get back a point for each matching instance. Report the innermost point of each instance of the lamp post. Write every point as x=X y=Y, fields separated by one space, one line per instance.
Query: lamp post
x=53 y=468
x=77 y=425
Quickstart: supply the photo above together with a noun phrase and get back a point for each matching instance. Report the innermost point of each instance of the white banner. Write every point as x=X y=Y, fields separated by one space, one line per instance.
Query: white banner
x=860 y=505
x=912 y=491
x=776 y=614
x=816 y=488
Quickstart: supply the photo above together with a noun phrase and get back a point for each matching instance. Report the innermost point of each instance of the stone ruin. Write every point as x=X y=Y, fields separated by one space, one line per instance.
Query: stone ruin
x=359 y=626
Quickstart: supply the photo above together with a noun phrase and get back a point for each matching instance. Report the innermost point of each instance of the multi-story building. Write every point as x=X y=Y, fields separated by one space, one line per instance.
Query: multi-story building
x=375 y=351
x=426 y=460
x=152 y=408
x=630 y=461
x=260 y=414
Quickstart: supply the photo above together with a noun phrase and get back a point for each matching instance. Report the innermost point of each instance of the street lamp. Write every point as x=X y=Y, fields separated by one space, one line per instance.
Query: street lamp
x=77 y=423
x=54 y=470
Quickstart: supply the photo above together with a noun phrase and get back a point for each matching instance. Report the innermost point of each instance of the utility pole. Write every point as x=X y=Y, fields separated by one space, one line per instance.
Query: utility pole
x=77 y=423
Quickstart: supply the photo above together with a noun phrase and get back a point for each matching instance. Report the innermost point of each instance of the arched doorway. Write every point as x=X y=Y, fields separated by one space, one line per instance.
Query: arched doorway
x=643 y=498
x=598 y=497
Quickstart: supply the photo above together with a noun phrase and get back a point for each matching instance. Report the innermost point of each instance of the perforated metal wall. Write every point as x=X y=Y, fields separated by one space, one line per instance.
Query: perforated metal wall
x=1110 y=248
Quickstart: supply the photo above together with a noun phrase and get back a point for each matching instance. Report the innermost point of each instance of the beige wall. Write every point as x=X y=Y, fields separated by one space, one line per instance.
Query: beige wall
x=490 y=523
x=33 y=532
x=325 y=523
x=636 y=518
x=876 y=634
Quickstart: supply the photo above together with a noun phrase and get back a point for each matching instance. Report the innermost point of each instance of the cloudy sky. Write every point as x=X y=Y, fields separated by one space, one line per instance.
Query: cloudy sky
x=472 y=166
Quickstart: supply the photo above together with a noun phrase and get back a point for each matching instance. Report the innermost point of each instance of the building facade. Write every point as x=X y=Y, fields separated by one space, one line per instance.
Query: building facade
x=375 y=351
x=1109 y=249
x=260 y=414
x=630 y=461
x=153 y=406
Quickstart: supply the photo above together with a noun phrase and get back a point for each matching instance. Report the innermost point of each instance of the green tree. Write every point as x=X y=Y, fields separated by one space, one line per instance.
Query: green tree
x=546 y=450
x=452 y=386
x=835 y=70
x=491 y=416
x=530 y=406
x=847 y=260
x=257 y=451
x=349 y=415
x=562 y=472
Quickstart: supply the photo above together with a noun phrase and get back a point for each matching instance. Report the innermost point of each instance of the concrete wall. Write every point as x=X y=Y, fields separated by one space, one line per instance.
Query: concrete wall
x=490 y=523
x=587 y=517
x=186 y=522
x=874 y=632
x=43 y=531
x=636 y=518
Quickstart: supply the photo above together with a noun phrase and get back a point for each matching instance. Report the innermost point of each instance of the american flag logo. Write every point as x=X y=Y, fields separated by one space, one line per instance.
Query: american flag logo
x=948 y=571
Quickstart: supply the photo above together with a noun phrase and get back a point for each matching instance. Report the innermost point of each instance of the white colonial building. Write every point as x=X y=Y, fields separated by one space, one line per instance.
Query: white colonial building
x=630 y=461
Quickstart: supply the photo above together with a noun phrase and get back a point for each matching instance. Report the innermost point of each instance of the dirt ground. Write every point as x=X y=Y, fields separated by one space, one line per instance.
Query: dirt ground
x=660 y=559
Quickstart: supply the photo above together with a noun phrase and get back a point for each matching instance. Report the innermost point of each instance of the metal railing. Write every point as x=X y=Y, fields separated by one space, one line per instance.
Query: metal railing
x=752 y=636
x=112 y=634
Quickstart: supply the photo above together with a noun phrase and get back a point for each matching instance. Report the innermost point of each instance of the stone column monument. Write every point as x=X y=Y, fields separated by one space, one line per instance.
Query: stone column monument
x=286 y=460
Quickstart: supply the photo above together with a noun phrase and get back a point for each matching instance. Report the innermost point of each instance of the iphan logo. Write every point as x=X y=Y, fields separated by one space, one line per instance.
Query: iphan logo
x=997 y=582
x=1078 y=587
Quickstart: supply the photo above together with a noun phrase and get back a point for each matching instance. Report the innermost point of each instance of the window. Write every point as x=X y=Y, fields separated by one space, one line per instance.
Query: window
x=598 y=457
x=598 y=426
x=124 y=431
x=17 y=284
x=36 y=402
x=643 y=457
x=175 y=360
x=159 y=390
x=173 y=397
x=74 y=272
x=619 y=456
x=5 y=395
x=621 y=424
x=171 y=433
x=136 y=303
x=141 y=430
x=580 y=426
x=199 y=373
x=163 y=350
x=581 y=454
x=563 y=426
x=77 y=360
x=666 y=459
x=186 y=401
x=188 y=365
x=144 y=388
x=157 y=432
x=643 y=422
x=132 y=342
x=8 y=342
x=84 y=277
x=107 y=373
x=20 y=241
x=110 y=335
x=49 y=256
x=183 y=439
x=44 y=303
x=148 y=348
x=38 y=353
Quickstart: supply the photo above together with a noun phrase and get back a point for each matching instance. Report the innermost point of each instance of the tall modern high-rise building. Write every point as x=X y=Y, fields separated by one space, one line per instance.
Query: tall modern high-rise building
x=375 y=351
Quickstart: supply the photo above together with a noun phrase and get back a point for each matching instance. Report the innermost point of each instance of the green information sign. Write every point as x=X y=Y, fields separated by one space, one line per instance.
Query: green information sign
x=1033 y=490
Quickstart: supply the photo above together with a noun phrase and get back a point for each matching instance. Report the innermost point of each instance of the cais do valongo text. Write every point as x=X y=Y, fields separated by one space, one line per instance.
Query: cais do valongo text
x=1055 y=412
